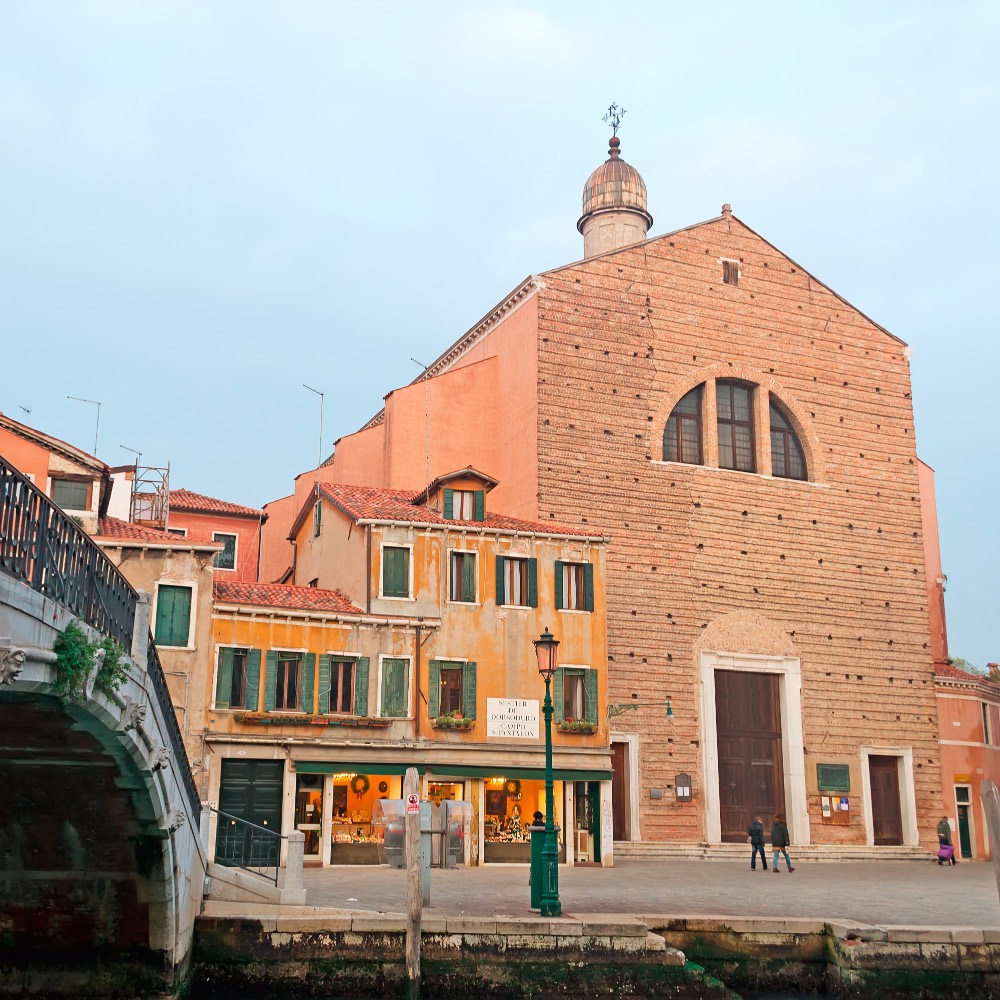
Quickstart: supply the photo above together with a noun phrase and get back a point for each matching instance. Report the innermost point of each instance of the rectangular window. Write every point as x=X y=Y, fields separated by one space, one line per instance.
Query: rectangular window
x=395 y=687
x=465 y=505
x=452 y=688
x=231 y=689
x=574 y=586
x=317 y=518
x=178 y=531
x=734 y=403
x=173 y=616
x=730 y=272
x=395 y=572
x=462 y=578
x=517 y=582
x=987 y=732
x=70 y=494
x=342 y=686
x=574 y=695
x=287 y=681
x=226 y=559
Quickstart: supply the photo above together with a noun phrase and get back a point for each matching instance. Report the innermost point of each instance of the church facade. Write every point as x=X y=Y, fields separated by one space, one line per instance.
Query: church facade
x=745 y=436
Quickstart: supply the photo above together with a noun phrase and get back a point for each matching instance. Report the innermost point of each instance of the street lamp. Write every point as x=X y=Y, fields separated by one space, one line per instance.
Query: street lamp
x=546 y=649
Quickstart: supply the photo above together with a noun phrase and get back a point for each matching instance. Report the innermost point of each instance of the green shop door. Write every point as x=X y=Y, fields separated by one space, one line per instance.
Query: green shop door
x=962 y=806
x=250 y=790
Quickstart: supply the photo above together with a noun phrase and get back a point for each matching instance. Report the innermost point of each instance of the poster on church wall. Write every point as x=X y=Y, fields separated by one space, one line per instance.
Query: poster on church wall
x=512 y=718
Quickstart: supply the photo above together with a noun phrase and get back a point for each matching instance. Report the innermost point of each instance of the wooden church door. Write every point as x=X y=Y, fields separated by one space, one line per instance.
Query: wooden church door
x=748 y=727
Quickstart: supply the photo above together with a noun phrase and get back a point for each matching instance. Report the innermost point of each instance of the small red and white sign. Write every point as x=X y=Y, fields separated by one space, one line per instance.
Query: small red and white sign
x=413 y=803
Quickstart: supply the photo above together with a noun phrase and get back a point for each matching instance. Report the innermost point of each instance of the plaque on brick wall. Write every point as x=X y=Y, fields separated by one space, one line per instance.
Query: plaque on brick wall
x=833 y=777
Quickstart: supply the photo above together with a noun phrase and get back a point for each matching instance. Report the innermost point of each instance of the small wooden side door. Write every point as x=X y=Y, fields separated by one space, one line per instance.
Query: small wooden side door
x=887 y=818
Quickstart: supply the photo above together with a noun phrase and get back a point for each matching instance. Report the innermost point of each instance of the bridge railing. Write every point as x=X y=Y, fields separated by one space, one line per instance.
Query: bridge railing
x=45 y=548
x=250 y=846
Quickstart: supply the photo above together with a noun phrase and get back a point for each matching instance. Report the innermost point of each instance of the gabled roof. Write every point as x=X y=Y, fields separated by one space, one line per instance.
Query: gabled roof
x=467 y=473
x=370 y=503
x=198 y=503
x=54 y=444
x=280 y=595
x=116 y=530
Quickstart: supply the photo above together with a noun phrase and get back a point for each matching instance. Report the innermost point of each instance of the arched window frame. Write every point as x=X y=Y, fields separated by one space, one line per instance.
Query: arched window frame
x=685 y=425
x=786 y=448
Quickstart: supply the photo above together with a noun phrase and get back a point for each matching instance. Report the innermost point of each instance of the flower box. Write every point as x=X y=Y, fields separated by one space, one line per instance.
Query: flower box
x=279 y=719
x=450 y=722
x=578 y=726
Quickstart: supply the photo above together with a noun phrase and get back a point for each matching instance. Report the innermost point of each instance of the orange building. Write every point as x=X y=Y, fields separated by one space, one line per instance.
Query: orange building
x=235 y=527
x=78 y=482
x=747 y=437
x=405 y=639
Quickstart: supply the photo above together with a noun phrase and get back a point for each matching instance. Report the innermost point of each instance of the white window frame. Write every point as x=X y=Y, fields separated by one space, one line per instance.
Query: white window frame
x=409 y=686
x=381 y=570
x=466 y=552
x=566 y=564
x=471 y=494
x=173 y=582
x=236 y=550
x=180 y=532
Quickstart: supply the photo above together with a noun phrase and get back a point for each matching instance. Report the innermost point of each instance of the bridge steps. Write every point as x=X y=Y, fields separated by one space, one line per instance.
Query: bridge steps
x=645 y=850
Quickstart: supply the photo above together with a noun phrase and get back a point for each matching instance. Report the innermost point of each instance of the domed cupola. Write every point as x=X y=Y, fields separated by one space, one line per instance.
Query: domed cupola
x=614 y=206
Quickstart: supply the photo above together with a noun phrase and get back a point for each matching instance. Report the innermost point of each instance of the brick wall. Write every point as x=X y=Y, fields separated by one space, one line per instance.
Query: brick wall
x=835 y=564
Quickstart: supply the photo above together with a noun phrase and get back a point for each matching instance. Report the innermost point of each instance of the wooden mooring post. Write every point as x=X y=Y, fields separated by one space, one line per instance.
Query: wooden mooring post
x=991 y=809
x=414 y=889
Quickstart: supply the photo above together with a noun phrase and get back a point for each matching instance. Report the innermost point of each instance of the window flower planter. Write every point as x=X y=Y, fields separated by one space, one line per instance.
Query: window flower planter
x=276 y=719
x=451 y=722
x=578 y=726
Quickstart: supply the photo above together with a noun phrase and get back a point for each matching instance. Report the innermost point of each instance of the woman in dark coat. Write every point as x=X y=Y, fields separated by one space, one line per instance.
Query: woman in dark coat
x=779 y=841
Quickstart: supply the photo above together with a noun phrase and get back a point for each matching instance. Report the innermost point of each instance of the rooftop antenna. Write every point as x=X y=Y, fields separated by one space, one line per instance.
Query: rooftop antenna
x=26 y=410
x=614 y=118
x=138 y=454
x=319 y=462
x=97 y=427
x=427 y=429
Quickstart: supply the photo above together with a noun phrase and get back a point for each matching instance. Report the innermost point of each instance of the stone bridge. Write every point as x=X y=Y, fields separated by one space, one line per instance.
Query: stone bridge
x=102 y=869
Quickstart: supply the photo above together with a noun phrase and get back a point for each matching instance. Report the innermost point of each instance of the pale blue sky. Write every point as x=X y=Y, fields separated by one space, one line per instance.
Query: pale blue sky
x=205 y=205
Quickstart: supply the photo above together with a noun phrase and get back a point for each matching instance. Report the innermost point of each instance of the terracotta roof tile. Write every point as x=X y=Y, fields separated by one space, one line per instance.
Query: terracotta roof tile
x=372 y=503
x=954 y=673
x=114 y=527
x=280 y=595
x=198 y=502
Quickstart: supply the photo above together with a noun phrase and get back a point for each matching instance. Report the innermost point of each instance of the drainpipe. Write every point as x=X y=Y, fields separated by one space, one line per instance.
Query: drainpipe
x=416 y=687
x=368 y=575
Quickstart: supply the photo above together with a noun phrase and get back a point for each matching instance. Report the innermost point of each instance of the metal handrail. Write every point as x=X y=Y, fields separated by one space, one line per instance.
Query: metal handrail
x=245 y=857
x=45 y=548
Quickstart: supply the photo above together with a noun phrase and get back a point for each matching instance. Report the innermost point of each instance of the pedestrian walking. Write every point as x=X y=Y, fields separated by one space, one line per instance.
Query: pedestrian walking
x=755 y=838
x=779 y=842
x=946 y=850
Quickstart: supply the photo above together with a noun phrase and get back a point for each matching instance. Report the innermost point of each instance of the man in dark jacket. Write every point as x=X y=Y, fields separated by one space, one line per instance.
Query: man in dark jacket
x=755 y=838
x=780 y=841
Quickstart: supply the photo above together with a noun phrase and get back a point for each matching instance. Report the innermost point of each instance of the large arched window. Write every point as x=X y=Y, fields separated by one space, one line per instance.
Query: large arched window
x=734 y=403
x=682 y=435
x=787 y=458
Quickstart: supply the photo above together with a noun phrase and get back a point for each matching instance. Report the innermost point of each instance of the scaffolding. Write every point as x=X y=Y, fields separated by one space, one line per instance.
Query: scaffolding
x=150 y=502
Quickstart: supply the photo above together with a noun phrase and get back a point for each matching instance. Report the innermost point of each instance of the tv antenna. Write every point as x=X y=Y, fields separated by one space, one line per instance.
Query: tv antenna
x=427 y=428
x=138 y=454
x=97 y=426
x=319 y=461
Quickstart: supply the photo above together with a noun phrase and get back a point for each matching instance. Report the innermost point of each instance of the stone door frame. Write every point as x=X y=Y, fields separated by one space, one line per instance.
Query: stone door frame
x=789 y=671
x=907 y=792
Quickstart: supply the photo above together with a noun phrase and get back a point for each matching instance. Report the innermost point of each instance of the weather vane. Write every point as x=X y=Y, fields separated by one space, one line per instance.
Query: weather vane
x=614 y=118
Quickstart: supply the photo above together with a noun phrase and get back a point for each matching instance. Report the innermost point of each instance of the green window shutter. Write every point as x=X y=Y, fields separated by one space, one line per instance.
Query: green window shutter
x=394 y=687
x=559 y=585
x=434 y=689
x=469 y=577
x=395 y=572
x=501 y=596
x=532 y=583
x=559 y=693
x=480 y=505
x=590 y=678
x=361 y=686
x=308 y=683
x=449 y=505
x=224 y=685
x=251 y=694
x=469 y=690
x=270 y=679
x=588 y=586
x=324 y=683
x=173 y=616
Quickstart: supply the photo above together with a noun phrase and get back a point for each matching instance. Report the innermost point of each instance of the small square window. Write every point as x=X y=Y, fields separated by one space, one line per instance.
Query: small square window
x=70 y=494
x=226 y=559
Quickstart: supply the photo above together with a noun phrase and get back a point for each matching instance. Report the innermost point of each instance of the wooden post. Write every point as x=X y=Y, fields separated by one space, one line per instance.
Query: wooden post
x=414 y=890
x=991 y=809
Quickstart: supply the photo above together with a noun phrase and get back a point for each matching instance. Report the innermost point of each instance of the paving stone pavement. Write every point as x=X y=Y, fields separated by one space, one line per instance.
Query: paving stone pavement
x=906 y=893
